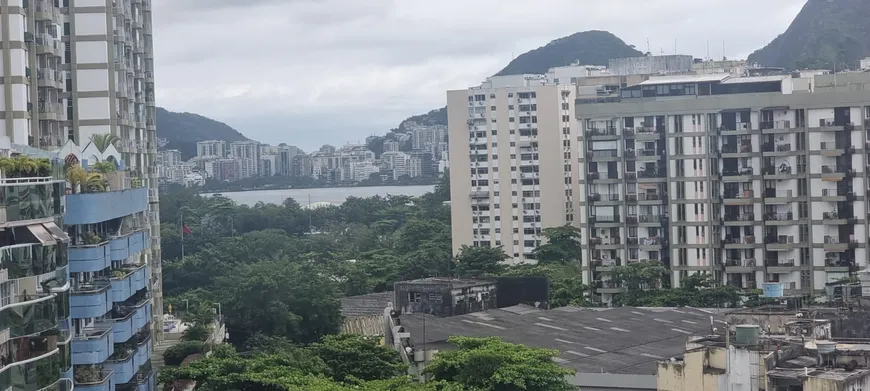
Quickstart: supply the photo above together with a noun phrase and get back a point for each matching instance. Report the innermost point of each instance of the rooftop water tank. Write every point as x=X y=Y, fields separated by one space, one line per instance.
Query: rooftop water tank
x=771 y=289
x=746 y=335
x=826 y=347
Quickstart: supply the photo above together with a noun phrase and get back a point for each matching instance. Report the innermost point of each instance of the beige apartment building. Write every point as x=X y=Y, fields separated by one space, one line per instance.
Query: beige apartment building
x=511 y=137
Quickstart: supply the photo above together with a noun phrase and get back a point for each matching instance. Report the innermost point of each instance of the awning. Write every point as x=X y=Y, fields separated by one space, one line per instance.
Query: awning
x=56 y=232
x=775 y=108
x=41 y=234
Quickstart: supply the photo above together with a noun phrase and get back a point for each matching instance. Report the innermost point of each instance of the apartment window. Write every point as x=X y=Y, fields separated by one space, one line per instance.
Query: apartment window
x=510 y=95
x=566 y=118
x=492 y=108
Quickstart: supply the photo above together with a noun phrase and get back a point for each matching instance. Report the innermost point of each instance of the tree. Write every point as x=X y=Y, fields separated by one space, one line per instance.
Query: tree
x=490 y=364
x=280 y=299
x=476 y=261
x=104 y=167
x=639 y=275
x=562 y=245
x=76 y=176
x=351 y=356
x=104 y=140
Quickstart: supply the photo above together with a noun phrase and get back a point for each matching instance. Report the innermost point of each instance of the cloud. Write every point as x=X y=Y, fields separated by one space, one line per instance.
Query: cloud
x=310 y=72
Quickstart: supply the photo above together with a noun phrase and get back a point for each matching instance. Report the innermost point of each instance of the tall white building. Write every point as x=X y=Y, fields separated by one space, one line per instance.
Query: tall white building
x=110 y=62
x=737 y=177
x=211 y=148
x=248 y=153
x=169 y=157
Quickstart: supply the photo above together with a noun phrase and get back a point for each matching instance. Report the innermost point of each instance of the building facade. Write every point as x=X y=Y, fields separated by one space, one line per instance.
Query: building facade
x=513 y=138
x=211 y=148
x=735 y=177
x=248 y=155
x=35 y=337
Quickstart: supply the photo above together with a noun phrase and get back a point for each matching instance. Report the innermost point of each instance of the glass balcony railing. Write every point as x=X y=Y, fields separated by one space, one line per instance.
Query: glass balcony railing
x=131 y=356
x=129 y=280
x=124 y=246
x=31 y=259
x=34 y=314
x=93 y=346
x=94 y=378
x=23 y=199
x=43 y=370
x=127 y=320
x=91 y=299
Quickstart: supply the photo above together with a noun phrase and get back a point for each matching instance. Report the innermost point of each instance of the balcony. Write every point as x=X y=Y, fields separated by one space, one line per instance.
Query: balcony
x=608 y=287
x=605 y=219
x=651 y=241
x=92 y=208
x=129 y=280
x=90 y=300
x=129 y=319
x=94 y=378
x=648 y=132
x=131 y=355
x=740 y=265
x=780 y=243
x=777 y=266
x=774 y=196
x=773 y=218
x=93 y=346
x=26 y=199
x=740 y=172
x=602 y=133
x=32 y=364
x=833 y=173
x=145 y=380
x=732 y=217
x=650 y=174
x=740 y=242
x=782 y=170
x=123 y=246
x=744 y=197
x=650 y=218
x=830 y=149
x=834 y=244
x=834 y=218
x=606 y=154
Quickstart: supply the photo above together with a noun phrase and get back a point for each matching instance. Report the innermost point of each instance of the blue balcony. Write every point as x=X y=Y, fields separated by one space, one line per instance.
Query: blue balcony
x=105 y=383
x=128 y=364
x=92 y=258
x=130 y=244
x=126 y=327
x=135 y=280
x=90 y=300
x=92 y=208
x=93 y=346
x=148 y=381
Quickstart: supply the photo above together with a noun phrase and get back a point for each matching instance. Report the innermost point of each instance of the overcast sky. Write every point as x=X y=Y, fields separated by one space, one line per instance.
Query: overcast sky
x=309 y=72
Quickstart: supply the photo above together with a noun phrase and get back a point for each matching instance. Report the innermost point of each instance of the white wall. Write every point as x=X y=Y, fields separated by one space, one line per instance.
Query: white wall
x=90 y=23
x=93 y=79
x=92 y=52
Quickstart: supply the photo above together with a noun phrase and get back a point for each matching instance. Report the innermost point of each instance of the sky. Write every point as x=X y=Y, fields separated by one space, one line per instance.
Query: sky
x=312 y=72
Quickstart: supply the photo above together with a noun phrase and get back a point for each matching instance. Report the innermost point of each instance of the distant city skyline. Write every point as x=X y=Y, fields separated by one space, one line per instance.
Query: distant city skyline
x=369 y=65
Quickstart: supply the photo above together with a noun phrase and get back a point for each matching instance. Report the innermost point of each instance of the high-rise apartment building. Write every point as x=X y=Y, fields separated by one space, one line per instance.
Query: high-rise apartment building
x=747 y=179
x=110 y=57
x=211 y=148
x=75 y=69
x=248 y=154
x=737 y=177
x=511 y=144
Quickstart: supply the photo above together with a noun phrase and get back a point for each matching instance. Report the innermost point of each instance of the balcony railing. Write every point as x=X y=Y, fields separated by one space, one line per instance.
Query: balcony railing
x=649 y=197
x=651 y=174
x=739 y=194
x=609 y=131
x=650 y=218
x=779 y=262
x=606 y=218
x=787 y=216
x=780 y=239
x=748 y=262
x=605 y=241
x=740 y=217
x=605 y=153
x=740 y=240
x=738 y=172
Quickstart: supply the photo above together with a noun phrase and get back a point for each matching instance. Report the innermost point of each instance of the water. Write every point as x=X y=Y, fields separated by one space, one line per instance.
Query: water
x=332 y=195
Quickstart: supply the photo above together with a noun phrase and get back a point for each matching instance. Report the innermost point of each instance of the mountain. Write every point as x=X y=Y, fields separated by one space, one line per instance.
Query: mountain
x=825 y=34
x=588 y=47
x=183 y=130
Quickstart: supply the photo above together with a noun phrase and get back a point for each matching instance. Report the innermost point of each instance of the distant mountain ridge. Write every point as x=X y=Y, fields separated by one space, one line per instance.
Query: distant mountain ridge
x=592 y=47
x=827 y=34
x=184 y=130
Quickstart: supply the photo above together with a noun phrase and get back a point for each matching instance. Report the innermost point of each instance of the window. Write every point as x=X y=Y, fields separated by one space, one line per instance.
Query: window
x=436 y=298
x=415 y=297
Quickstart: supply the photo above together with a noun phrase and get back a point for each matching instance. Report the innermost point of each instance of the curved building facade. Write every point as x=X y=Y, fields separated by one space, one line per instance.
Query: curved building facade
x=35 y=329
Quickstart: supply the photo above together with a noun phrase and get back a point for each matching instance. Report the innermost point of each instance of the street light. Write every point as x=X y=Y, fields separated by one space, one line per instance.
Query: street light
x=186 y=305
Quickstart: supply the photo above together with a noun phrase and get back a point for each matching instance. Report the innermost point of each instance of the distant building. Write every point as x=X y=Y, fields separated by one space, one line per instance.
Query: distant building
x=391 y=146
x=248 y=154
x=650 y=65
x=211 y=148
x=865 y=64
x=169 y=157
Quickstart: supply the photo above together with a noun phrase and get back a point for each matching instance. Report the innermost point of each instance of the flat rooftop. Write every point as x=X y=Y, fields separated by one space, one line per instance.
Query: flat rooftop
x=456 y=282
x=622 y=340
x=365 y=305
x=836 y=374
x=685 y=79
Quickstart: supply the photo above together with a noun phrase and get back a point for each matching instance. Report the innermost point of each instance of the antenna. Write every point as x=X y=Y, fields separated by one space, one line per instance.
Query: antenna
x=648 y=50
x=708 y=50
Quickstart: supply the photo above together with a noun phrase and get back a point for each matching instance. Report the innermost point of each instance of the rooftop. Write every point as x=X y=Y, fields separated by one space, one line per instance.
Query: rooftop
x=836 y=374
x=365 y=305
x=685 y=79
x=456 y=282
x=754 y=79
x=591 y=340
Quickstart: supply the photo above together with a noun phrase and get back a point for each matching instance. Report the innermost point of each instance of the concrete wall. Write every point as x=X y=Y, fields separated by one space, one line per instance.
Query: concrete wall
x=694 y=372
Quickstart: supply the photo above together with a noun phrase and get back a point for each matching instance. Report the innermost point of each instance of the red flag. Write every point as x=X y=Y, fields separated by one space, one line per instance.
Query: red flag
x=185 y=230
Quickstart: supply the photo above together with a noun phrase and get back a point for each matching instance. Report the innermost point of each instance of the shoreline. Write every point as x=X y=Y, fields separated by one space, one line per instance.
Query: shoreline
x=307 y=188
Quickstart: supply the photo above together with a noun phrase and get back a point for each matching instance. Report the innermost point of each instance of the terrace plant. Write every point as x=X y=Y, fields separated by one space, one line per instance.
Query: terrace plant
x=22 y=166
x=85 y=374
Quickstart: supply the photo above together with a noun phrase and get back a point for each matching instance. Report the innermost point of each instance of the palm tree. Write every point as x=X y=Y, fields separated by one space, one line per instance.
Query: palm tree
x=76 y=176
x=102 y=141
x=95 y=183
x=104 y=167
x=7 y=166
x=25 y=165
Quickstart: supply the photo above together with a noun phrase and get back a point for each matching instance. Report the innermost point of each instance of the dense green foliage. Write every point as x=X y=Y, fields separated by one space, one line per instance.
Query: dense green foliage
x=183 y=130
x=489 y=364
x=825 y=34
x=589 y=47
x=174 y=355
